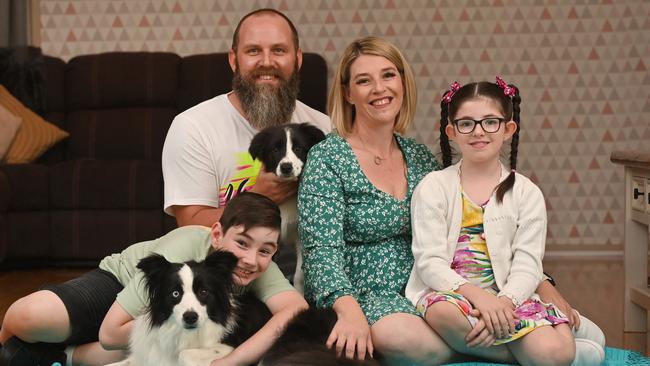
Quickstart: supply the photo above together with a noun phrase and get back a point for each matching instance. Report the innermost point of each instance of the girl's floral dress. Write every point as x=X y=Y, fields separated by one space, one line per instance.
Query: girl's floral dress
x=472 y=261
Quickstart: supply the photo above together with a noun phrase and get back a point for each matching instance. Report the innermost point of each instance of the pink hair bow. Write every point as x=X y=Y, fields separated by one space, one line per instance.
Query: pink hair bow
x=507 y=90
x=453 y=88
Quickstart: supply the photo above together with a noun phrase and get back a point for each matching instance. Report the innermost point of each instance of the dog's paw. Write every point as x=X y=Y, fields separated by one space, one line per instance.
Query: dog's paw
x=202 y=356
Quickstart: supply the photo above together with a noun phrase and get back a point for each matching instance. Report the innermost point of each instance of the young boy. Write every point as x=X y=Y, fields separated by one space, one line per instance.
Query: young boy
x=88 y=320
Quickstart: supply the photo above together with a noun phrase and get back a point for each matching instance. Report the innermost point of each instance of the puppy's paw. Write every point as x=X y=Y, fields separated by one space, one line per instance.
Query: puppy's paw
x=202 y=356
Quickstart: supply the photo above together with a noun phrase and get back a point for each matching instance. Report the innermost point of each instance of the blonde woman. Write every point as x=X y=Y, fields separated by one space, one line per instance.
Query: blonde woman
x=354 y=206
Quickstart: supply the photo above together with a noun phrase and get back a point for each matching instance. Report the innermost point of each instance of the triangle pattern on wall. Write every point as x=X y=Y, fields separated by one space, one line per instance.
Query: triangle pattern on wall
x=582 y=70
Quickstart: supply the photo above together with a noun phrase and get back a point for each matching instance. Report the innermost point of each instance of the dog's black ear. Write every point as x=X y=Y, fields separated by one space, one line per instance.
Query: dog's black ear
x=222 y=261
x=259 y=143
x=153 y=264
x=313 y=133
x=155 y=267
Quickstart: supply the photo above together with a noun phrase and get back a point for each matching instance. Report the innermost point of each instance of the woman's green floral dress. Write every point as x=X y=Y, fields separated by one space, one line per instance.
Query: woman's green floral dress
x=356 y=239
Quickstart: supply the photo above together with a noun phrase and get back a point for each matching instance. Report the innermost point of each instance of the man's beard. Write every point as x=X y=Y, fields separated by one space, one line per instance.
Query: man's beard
x=266 y=105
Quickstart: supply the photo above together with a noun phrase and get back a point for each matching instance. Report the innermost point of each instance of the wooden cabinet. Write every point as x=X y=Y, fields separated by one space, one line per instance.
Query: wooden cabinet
x=637 y=235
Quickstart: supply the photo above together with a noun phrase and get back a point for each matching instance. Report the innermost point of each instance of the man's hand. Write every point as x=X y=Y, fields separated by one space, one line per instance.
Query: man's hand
x=273 y=187
x=549 y=294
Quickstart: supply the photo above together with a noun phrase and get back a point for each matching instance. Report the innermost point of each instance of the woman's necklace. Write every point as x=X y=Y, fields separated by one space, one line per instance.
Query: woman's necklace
x=377 y=159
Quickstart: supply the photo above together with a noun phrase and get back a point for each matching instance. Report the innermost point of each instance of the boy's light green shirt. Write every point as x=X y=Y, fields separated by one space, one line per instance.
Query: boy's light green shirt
x=180 y=245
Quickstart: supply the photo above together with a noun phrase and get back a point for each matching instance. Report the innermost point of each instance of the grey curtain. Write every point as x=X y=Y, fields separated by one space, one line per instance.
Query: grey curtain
x=14 y=23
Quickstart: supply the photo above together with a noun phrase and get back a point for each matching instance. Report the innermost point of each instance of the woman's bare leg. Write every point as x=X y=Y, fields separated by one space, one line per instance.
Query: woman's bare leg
x=405 y=338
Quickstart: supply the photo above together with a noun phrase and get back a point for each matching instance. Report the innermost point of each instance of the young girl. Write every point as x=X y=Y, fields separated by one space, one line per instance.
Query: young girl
x=479 y=232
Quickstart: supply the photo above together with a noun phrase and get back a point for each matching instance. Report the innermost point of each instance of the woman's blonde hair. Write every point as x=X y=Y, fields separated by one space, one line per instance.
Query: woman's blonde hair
x=341 y=112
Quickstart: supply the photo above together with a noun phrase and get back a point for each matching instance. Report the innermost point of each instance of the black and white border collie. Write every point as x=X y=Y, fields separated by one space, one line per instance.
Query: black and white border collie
x=192 y=309
x=283 y=151
x=196 y=315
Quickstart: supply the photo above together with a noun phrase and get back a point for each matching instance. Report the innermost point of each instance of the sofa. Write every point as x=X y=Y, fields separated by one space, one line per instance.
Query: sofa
x=101 y=189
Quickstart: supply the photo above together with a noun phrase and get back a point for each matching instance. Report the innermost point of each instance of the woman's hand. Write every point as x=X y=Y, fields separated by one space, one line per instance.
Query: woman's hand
x=351 y=333
x=549 y=294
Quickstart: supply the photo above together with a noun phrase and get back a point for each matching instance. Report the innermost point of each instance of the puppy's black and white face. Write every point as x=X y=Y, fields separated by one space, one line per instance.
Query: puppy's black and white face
x=283 y=149
x=189 y=294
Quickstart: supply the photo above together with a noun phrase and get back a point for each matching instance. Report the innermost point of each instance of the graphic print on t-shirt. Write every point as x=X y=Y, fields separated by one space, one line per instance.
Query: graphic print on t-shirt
x=243 y=178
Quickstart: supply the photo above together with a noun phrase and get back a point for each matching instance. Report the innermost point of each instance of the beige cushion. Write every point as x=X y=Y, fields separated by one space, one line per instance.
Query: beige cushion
x=9 y=125
x=35 y=135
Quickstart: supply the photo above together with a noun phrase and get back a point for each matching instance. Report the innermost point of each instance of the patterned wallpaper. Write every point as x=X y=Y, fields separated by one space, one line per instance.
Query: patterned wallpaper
x=582 y=67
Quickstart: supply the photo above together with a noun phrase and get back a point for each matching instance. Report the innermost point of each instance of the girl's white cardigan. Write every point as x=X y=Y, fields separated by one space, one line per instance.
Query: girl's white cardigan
x=515 y=232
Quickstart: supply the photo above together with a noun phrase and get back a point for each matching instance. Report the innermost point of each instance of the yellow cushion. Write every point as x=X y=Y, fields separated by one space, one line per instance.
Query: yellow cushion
x=9 y=126
x=35 y=135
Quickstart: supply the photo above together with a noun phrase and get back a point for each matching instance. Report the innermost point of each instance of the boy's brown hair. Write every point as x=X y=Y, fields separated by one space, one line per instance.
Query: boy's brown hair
x=250 y=210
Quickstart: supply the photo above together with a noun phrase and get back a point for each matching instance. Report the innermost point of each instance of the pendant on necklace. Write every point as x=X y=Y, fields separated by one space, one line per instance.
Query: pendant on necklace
x=378 y=160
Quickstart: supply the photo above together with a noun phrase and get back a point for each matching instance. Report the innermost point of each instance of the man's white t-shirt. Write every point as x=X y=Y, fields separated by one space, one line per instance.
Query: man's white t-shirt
x=205 y=159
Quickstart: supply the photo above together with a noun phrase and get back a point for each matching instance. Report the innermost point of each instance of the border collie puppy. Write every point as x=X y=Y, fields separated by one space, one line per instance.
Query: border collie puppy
x=191 y=307
x=283 y=151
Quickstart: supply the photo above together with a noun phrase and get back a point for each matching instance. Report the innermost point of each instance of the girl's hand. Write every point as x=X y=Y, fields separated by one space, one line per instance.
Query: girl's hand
x=549 y=294
x=479 y=336
x=497 y=313
x=351 y=332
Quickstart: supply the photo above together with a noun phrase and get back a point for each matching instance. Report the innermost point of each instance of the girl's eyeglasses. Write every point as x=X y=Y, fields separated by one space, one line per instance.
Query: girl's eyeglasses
x=489 y=125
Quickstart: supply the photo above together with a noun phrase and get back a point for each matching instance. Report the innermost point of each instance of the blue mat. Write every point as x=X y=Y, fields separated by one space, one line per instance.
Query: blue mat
x=613 y=357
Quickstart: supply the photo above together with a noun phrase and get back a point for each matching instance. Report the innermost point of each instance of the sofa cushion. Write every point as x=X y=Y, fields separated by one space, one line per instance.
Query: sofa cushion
x=202 y=77
x=27 y=186
x=22 y=73
x=35 y=136
x=120 y=133
x=55 y=85
x=28 y=236
x=93 y=234
x=5 y=195
x=106 y=184
x=313 y=81
x=121 y=80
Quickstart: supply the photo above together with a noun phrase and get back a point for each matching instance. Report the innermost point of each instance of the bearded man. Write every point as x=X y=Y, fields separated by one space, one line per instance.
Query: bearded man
x=205 y=158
